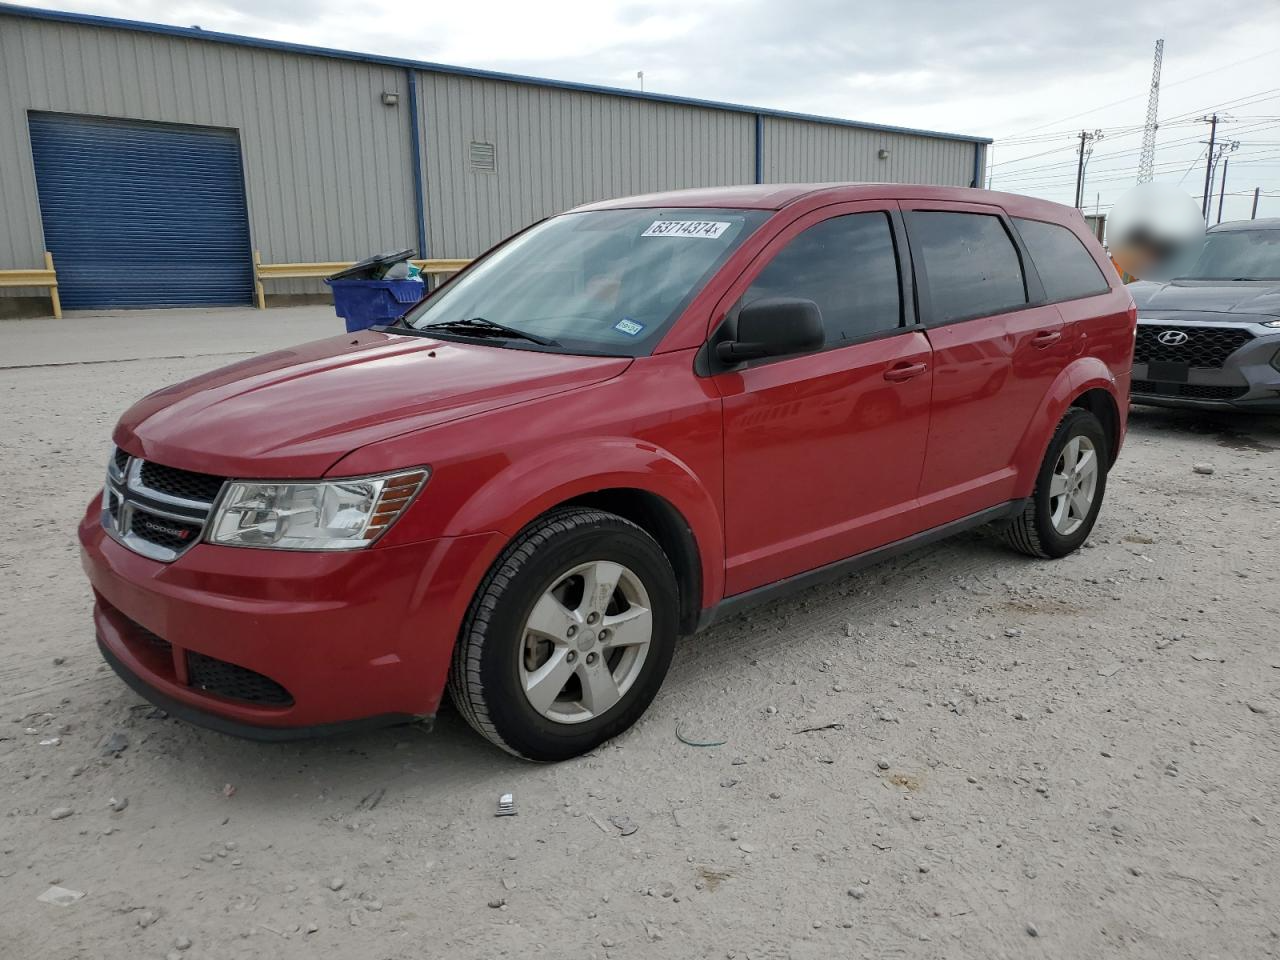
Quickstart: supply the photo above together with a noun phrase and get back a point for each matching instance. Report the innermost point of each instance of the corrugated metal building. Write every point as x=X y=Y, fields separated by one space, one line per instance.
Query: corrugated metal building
x=153 y=160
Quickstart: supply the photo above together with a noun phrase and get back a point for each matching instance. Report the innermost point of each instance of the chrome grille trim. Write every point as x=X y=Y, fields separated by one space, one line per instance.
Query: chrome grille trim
x=126 y=499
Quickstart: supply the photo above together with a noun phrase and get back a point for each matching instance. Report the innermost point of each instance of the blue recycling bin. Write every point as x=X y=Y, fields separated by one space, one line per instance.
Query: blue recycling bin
x=364 y=303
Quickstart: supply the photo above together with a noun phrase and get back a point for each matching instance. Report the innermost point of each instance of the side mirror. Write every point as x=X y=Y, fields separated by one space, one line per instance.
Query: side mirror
x=774 y=327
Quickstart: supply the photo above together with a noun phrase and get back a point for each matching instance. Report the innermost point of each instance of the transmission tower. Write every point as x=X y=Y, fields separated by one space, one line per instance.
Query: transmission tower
x=1147 y=161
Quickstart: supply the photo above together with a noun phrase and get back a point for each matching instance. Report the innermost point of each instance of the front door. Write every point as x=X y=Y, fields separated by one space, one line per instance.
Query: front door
x=823 y=451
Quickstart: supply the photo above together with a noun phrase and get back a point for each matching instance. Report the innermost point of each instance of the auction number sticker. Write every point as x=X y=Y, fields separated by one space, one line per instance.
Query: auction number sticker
x=700 y=229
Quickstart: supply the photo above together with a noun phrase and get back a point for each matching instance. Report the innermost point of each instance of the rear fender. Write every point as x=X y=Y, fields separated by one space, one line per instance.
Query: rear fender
x=1078 y=377
x=528 y=488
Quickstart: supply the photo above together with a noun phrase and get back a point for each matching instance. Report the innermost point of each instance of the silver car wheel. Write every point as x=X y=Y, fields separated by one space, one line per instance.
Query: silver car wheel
x=1073 y=484
x=585 y=642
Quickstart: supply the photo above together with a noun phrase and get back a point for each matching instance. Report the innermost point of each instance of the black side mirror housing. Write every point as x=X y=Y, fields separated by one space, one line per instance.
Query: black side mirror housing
x=774 y=327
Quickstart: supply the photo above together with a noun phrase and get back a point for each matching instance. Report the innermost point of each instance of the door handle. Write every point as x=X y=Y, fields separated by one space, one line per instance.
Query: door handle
x=905 y=371
x=1046 y=338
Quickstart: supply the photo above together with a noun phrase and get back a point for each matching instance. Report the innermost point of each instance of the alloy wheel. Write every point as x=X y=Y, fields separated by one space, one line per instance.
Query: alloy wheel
x=585 y=642
x=1073 y=485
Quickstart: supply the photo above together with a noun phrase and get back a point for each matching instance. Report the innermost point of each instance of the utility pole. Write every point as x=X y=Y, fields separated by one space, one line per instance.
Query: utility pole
x=1147 y=160
x=1221 y=190
x=1086 y=148
x=1208 y=170
x=1253 y=214
x=1224 y=147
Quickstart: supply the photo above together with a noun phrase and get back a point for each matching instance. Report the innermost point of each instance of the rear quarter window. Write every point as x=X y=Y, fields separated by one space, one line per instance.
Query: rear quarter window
x=1066 y=269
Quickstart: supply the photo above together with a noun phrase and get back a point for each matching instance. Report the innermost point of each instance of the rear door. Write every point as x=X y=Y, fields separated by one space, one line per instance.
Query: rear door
x=995 y=352
x=823 y=451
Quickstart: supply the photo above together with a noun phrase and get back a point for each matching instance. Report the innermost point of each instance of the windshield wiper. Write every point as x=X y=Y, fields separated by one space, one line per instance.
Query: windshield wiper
x=479 y=326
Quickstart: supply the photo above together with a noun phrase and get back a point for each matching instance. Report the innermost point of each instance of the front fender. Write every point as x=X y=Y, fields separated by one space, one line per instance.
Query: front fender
x=1078 y=377
x=530 y=486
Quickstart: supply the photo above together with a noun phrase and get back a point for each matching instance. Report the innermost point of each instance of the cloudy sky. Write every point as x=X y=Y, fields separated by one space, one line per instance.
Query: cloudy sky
x=1030 y=74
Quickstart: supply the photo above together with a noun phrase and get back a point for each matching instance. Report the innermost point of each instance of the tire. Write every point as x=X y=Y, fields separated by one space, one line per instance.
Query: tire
x=1034 y=531
x=491 y=665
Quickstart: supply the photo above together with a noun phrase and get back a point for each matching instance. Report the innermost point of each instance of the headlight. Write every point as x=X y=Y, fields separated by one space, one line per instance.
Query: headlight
x=334 y=515
x=1272 y=323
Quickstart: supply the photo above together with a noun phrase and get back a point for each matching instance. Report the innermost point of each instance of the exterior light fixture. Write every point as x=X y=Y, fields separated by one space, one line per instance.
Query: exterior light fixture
x=884 y=153
x=390 y=99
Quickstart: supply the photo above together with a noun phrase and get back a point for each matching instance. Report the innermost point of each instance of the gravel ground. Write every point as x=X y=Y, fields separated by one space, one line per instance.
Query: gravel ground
x=961 y=753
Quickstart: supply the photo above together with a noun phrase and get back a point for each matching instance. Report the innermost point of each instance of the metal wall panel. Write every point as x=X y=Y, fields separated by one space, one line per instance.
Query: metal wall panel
x=798 y=151
x=554 y=149
x=327 y=166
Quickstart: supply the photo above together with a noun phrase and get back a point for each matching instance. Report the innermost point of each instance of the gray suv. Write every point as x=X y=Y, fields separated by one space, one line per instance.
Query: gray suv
x=1211 y=339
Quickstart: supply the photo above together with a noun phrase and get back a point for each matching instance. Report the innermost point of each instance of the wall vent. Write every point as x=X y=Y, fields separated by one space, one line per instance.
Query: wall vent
x=483 y=157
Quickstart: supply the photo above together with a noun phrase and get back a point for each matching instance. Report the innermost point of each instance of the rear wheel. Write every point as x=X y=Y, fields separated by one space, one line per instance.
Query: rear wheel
x=1069 y=489
x=569 y=636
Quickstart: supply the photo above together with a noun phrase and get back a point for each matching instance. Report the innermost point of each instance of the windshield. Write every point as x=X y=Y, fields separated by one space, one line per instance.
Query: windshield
x=605 y=281
x=1238 y=255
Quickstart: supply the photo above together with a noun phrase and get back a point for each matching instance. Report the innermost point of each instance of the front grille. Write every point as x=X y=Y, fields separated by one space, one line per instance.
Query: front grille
x=180 y=483
x=1192 y=391
x=234 y=682
x=156 y=510
x=1204 y=346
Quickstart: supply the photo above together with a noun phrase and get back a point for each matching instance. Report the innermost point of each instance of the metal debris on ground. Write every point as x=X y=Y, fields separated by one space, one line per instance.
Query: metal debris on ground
x=60 y=896
x=697 y=743
x=371 y=800
x=626 y=826
x=506 y=806
x=825 y=726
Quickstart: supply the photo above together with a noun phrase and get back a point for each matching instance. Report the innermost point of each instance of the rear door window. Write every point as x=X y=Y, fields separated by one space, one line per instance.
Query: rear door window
x=1066 y=269
x=847 y=266
x=971 y=263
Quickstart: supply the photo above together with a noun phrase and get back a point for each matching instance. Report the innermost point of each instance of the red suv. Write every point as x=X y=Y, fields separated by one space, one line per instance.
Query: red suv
x=621 y=425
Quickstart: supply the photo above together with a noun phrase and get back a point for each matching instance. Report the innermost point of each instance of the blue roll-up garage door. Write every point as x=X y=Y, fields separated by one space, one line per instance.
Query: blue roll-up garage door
x=142 y=214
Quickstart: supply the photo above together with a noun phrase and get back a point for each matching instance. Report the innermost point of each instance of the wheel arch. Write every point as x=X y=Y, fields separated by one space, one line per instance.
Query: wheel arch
x=1102 y=405
x=645 y=485
x=1087 y=383
x=659 y=518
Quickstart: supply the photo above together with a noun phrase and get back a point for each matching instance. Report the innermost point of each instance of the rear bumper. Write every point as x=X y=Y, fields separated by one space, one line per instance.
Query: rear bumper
x=280 y=645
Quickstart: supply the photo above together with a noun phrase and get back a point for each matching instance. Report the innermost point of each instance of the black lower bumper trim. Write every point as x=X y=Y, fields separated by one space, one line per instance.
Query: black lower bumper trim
x=235 y=728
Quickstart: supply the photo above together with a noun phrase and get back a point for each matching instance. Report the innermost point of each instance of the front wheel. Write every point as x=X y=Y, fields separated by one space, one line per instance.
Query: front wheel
x=1069 y=488
x=568 y=637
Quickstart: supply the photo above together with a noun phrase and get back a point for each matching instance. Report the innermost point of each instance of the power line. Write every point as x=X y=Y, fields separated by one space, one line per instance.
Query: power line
x=1018 y=173
x=1226 y=66
x=1261 y=95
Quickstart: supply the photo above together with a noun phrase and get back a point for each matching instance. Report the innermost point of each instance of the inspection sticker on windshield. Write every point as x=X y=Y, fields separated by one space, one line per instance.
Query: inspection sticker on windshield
x=701 y=229
x=628 y=326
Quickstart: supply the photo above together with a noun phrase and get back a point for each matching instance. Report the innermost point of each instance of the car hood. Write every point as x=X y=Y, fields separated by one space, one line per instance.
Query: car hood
x=1247 y=299
x=296 y=412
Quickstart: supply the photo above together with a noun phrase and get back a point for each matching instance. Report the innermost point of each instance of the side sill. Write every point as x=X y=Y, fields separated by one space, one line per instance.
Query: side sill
x=741 y=602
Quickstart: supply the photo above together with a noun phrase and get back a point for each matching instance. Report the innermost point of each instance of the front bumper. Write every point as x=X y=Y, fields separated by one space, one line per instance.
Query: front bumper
x=1248 y=379
x=275 y=644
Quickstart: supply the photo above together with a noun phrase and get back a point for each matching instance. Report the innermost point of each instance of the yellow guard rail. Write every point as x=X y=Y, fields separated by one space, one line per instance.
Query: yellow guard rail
x=47 y=277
